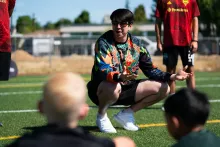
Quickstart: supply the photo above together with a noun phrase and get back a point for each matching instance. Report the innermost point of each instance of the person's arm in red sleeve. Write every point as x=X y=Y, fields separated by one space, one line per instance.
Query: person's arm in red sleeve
x=11 y=6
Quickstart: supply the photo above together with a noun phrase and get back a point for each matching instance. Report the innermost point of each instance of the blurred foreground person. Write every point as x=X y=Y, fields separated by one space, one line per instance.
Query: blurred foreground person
x=63 y=105
x=186 y=113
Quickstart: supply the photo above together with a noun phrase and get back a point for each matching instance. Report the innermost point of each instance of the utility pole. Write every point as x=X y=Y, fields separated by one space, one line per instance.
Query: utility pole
x=127 y=3
x=12 y=26
x=33 y=23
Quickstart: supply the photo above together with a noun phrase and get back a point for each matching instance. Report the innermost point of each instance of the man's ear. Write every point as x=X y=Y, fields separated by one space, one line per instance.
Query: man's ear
x=175 y=121
x=40 y=106
x=83 y=111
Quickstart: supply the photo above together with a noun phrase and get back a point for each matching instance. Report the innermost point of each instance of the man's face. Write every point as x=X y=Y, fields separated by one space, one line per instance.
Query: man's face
x=120 y=29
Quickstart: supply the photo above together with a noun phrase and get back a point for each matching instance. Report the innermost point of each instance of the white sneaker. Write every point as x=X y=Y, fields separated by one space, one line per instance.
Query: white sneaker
x=126 y=119
x=105 y=125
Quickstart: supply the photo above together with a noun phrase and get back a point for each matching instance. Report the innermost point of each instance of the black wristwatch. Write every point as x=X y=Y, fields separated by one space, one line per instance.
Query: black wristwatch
x=195 y=41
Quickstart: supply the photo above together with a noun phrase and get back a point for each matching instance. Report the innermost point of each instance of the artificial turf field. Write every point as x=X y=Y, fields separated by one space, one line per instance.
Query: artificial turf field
x=18 y=98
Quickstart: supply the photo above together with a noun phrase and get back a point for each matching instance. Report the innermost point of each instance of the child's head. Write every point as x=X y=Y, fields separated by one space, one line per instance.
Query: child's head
x=186 y=111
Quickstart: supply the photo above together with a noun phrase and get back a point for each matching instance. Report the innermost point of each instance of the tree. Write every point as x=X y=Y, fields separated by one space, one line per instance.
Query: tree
x=49 y=26
x=82 y=18
x=140 y=15
x=210 y=17
x=205 y=16
x=24 y=24
x=62 y=22
x=216 y=18
x=37 y=26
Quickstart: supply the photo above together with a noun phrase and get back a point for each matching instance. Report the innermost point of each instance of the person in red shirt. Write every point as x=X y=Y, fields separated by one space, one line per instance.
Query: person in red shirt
x=6 y=9
x=180 y=36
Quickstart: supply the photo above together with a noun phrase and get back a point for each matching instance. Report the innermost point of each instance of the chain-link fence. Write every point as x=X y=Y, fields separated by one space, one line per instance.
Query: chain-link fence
x=43 y=55
x=66 y=46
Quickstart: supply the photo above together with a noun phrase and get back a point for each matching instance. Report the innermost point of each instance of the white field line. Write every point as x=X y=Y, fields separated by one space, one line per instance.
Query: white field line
x=91 y=107
x=19 y=93
x=27 y=83
x=18 y=111
x=39 y=83
x=208 y=79
x=38 y=92
x=204 y=86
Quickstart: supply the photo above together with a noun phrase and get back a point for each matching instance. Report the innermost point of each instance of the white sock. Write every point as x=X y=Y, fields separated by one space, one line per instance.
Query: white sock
x=101 y=116
x=128 y=110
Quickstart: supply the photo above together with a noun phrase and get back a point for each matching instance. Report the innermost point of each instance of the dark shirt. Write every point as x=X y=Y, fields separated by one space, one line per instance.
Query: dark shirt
x=53 y=136
x=202 y=138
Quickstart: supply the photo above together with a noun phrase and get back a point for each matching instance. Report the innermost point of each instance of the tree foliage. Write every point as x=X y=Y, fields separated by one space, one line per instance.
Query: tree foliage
x=49 y=26
x=26 y=24
x=210 y=17
x=140 y=14
x=62 y=22
x=83 y=18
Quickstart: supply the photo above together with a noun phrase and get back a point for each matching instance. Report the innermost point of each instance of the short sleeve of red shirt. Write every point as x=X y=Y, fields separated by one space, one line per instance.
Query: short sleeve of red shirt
x=159 y=12
x=11 y=4
x=5 y=40
x=195 y=11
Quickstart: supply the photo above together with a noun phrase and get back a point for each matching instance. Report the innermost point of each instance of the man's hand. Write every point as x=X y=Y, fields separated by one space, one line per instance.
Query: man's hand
x=160 y=46
x=194 y=46
x=180 y=75
x=127 y=77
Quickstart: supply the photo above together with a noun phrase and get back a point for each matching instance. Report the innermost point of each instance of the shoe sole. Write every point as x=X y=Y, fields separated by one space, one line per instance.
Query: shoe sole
x=106 y=131
x=119 y=121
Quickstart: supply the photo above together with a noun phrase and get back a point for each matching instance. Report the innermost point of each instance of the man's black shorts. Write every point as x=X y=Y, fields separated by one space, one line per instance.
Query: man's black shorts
x=5 y=60
x=127 y=96
x=170 y=56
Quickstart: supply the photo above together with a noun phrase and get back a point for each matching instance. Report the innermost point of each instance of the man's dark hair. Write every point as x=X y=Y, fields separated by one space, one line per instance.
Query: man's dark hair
x=122 y=15
x=190 y=106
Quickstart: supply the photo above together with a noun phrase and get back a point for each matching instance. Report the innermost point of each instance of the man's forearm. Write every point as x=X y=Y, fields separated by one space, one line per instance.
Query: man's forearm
x=195 y=28
x=158 y=30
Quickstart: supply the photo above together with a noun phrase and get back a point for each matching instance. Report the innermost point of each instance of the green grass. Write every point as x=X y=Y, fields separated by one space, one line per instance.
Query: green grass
x=15 y=124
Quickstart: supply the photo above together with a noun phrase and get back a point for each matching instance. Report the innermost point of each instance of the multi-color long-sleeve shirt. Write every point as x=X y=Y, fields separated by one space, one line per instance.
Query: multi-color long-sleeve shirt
x=112 y=58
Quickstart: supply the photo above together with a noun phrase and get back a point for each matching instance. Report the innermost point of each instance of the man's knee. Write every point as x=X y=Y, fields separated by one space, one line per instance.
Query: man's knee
x=152 y=88
x=165 y=89
x=109 y=90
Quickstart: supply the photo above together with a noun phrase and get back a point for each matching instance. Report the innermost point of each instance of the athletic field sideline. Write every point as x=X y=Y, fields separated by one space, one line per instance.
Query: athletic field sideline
x=18 y=113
